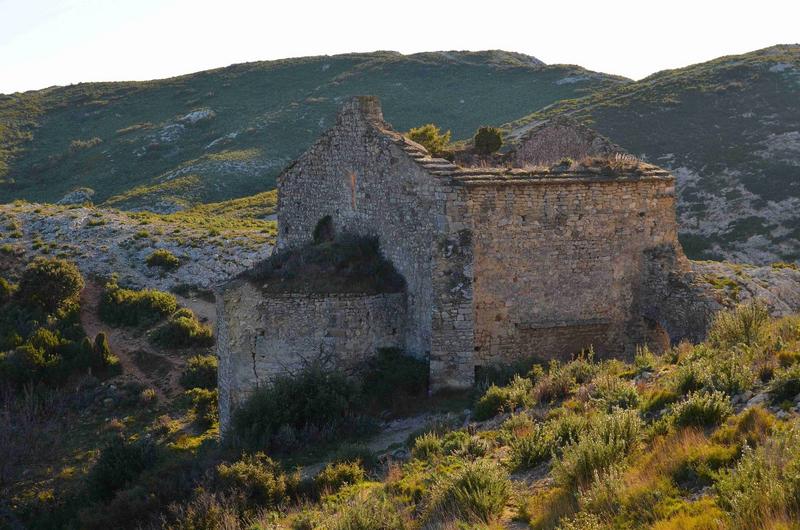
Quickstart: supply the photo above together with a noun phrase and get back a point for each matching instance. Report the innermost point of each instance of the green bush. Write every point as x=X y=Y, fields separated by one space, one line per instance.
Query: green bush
x=426 y=446
x=609 y=439
x=747 y=324
x=127 y=307
x=97 y=356
x=394 y=380
x=785 y=385
x=764 y=487
x=6 y=291
x=431 y=138
x=183 y=330
x=701 y=409
x=201 y=372
x=555 y=385
x=368 y=511
x=477 y=493
x=488 y=140
x=164 y=259
x=49 y=283
x=532 y=449
x=315 y=404
x=568 y=428
x=119 y=464
x=582 y=369
x=688 y=376
x=256 y=481
x=519 y=393
x=612 y=392
x=205 y=406
x=338 y=474
x=347 y=264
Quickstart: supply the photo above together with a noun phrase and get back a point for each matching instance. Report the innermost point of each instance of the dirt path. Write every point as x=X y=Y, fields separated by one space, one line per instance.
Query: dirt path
x=130 y=346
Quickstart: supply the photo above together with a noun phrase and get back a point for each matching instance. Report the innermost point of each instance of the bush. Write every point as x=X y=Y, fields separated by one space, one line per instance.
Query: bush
x=657 y=399
x=135 y=308
x=532 y=449
x=764 y=486
x=97 y=356
x=747 y=324
x=183 y=330
x=201 y=372
x=556 y=385
x=731 y=374
x=612 y=392
x=426 y=446
x=431 y=138
x=394 y=380
x=367 y=511
x=785 y=386
x=316 y=403
x=119 y=464
x=338 y=474
x=49 y=283
x=6 y=290
x=701 y=409
x=488 y=140
x=164 y=259
x=205 y=406
x=519 y=393
x=477 y=493
x=347 y=264
x=256 y=481
x=609 y=439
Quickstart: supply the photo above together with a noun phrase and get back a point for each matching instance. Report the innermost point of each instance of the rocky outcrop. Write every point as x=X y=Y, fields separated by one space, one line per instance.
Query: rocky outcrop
x=103 y=242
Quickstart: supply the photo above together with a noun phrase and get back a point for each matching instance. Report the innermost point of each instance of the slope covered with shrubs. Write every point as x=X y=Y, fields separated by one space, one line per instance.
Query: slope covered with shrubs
x=700 y=437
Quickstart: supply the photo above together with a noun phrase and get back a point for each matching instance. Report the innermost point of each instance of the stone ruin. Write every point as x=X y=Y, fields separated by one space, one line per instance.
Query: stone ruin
x=500 y=263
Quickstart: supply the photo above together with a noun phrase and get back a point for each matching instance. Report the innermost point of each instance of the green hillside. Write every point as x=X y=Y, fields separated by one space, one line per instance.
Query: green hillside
x=228 y=132
x=730 y=131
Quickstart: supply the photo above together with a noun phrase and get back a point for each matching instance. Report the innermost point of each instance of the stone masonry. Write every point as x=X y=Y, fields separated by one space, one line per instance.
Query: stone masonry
x=266 y=334
x=500 y=263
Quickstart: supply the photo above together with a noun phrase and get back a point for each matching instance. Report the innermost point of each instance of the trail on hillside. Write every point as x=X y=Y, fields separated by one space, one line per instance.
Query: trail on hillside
x=126 y=343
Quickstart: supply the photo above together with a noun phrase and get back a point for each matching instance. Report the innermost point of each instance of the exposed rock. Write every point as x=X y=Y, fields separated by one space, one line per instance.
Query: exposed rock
x=77 y=196
x=198 y=116
x=103 y=242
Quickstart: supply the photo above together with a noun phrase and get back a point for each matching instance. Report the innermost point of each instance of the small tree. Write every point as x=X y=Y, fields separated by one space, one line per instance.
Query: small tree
x=488 y=140
x=48 y=283
x=102 y=352
x=430 y=137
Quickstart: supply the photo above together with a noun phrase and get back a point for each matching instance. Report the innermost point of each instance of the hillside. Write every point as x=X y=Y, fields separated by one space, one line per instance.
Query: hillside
x=730 y=131
x=227 y=133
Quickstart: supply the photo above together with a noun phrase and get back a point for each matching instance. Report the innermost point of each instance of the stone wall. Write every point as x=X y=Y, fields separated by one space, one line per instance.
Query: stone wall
x=260 y=336
x=560 y=263
x=359 y=174
x=560 y=138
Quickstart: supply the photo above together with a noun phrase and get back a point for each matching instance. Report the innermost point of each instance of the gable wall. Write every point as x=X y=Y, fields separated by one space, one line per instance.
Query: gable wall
x=369 y=186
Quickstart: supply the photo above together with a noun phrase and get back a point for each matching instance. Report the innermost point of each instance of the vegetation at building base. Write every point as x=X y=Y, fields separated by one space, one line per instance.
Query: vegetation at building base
x=335 y=264
x=670 y=441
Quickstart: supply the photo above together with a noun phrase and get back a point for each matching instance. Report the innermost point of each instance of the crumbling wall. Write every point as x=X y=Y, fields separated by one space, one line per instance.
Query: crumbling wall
x=260 y=336
x=559 y=262
x=359 y=174
x=560 y=138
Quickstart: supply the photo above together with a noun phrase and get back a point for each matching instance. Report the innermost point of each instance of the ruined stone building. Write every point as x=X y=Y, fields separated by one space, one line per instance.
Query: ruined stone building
x=499 y=263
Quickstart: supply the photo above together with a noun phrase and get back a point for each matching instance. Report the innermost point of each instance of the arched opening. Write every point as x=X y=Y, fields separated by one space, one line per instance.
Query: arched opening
x=324 y=232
